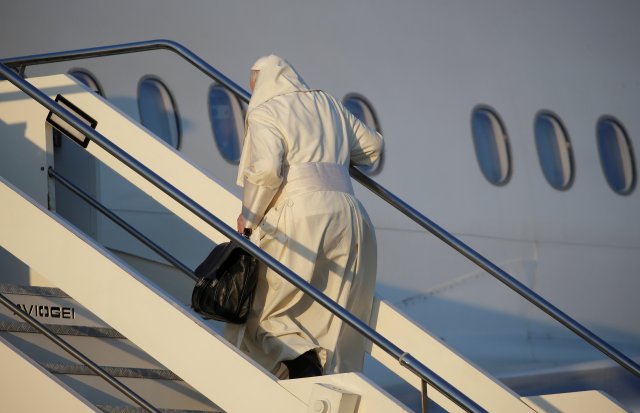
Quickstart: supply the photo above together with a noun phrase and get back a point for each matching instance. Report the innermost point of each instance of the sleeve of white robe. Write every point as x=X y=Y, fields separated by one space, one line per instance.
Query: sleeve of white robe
x=366 y=145
x=263 y=175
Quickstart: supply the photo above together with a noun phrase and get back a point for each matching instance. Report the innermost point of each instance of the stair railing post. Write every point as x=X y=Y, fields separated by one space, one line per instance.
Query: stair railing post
x=425 y=397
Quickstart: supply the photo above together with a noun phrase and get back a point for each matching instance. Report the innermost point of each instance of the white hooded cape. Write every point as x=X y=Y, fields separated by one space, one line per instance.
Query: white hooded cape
x=297 y=197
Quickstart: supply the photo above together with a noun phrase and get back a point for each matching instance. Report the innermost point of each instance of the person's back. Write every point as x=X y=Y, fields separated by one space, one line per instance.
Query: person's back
x=299 y=201
x=314 y=126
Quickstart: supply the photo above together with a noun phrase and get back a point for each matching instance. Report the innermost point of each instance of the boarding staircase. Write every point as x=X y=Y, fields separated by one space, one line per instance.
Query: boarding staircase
x=117 y=355
x=163 y=354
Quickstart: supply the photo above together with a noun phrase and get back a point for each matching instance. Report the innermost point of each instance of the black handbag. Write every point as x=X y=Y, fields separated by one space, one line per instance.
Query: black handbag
x=226 y=284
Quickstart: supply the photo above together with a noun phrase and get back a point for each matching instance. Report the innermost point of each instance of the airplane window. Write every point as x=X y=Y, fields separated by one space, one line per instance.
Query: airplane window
x=491 y=144
x=361 y=108
x=226 y=115
x=158 y=111
x=554 y=150
x=87 y=79
x=616 y=155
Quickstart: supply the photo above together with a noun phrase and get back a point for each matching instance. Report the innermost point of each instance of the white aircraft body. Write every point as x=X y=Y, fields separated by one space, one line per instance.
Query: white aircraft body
x=511 y=124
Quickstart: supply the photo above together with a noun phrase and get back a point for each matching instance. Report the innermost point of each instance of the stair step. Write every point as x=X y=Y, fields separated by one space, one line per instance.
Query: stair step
x=106 y=351
x=131 y=409
x=128 y=372
x=32 y=290
x=118 y=356
x=60 y=329
x=167 y=394
x=98 y=341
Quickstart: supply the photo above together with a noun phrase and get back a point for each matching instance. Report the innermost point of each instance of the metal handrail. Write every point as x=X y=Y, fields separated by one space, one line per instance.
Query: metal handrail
x=404 y=358
x=468 y=252
x=122 y=223
x=497 y=272
x=22 y=62
x=77 y=355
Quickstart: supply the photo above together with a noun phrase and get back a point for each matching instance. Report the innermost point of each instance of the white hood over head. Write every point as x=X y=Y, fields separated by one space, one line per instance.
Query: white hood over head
x=276 y=77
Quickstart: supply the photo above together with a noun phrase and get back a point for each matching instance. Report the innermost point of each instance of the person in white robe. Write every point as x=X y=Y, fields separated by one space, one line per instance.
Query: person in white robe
x=299 y=204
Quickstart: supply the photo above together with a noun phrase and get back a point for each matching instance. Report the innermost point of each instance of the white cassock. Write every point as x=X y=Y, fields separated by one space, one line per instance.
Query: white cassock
x=299 y=202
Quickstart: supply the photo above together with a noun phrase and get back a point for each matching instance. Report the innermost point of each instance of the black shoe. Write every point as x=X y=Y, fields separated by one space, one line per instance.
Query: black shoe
x=306 y=365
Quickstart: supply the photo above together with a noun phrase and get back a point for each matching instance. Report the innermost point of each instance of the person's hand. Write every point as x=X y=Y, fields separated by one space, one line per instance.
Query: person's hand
x=240 y=223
